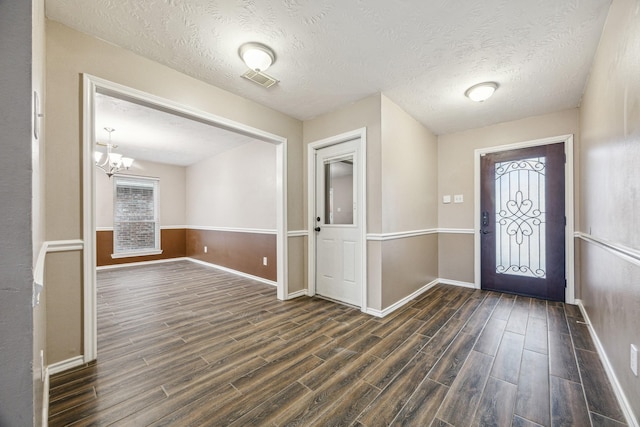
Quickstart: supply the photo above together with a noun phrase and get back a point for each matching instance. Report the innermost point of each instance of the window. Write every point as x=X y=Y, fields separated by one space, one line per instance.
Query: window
x=136 y=225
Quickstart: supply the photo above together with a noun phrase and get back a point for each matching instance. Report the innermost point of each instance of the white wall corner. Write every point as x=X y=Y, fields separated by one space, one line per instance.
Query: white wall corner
x=63 y=365
x=458 y=283
x=398 y=304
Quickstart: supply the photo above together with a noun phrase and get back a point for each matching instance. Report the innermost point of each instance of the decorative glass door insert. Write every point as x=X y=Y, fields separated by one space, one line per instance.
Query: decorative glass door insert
x=520 y=217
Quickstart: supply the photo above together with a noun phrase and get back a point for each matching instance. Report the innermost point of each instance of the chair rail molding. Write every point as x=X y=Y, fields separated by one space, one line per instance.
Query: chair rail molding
x=628 y=254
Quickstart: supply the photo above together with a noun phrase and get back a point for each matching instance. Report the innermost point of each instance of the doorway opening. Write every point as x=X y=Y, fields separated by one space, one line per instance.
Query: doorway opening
x=337 y=217
x=524 y=218
x=91 y=87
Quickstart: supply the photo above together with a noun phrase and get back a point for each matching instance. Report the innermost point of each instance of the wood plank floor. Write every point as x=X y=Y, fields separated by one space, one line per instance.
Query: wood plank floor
x=186 y=345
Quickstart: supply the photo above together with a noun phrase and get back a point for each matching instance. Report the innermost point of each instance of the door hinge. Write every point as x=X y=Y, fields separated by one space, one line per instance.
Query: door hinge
x=565 y=157
x=565 y=220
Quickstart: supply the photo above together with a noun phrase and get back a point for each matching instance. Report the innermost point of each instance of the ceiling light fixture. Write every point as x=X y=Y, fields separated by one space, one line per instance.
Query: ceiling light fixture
x=113 y=162
x=257 y=56
x=481 y=91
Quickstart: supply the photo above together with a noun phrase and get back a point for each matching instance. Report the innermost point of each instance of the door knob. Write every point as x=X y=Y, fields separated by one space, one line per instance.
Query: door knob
x=317 y=228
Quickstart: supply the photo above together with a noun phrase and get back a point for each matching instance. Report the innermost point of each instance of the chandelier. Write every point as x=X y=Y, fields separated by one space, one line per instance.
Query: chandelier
x=113 y=162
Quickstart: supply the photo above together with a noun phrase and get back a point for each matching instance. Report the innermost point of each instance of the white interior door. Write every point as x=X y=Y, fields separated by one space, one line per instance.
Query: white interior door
x=337 y=228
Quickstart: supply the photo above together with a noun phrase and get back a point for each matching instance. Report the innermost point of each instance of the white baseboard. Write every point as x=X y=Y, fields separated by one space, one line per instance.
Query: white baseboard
x=63 y=365
x=297 y=294
x=137 y=264
x=393 y=307
x=236 y=272
x=457 y=283
x=617 y=388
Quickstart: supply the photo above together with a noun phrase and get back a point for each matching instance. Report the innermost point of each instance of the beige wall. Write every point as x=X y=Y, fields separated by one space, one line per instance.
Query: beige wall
x=235 y=189
x=401 y=193
x=409 y=187
x=409 y=172
x=63 y=277
x=364 y=113
x=172 y=192
x=456 y=176
x=69 y=55
x=610 y=196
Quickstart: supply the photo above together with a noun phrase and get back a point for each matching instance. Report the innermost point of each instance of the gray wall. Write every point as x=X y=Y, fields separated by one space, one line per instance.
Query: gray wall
x=610 y=192
x=16 y=325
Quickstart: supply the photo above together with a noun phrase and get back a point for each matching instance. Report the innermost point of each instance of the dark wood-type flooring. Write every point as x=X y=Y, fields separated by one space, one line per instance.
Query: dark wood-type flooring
x=182 y=344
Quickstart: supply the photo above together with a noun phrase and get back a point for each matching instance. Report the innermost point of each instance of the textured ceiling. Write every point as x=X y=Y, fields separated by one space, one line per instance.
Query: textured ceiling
x=145 y=133
x=422 y=54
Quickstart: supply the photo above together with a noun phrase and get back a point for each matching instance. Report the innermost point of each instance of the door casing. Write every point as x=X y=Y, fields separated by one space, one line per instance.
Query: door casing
x=91 y=84
x=362 y=203
x=569 y=206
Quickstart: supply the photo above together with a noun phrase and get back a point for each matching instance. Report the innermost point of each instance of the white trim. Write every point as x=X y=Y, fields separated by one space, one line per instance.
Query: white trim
x=297 y=294
x=74 y=362
x=621 y=251
x=64 y=245
x=382 y=237
x=298 y=233
x=136 y=254
x=232 y=229
x=45 y=248
x=400 y=234
x=140 y=263
x=212 y=228
x=569 y=205
x=90 y=315
x=38 y=272
x=232 y=271
x=361 y=134
x=456 y=230
x=457 y=283
x=45 y=397
x=90 y=85
x=398 y=304
x=608 y=368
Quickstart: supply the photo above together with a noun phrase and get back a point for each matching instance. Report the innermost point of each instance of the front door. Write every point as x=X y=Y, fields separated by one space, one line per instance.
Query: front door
x=338 y=238
x=523 y=221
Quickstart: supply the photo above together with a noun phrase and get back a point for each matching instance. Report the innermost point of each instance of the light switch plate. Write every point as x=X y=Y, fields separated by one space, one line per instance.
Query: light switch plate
x=458 y=198
x=446 y=199
x=634 y=360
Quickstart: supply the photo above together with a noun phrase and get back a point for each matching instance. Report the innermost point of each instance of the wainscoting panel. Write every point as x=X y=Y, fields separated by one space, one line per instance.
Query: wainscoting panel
x=172 y=243
x=238 y=251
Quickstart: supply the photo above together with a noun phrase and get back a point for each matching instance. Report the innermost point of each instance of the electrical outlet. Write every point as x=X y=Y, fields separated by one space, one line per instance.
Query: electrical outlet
x=264 y=260
x=206 y=249
x=634 y=360
x=458 y=198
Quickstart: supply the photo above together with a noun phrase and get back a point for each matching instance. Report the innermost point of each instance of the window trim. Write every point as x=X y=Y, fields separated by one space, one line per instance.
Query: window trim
x=155 y=182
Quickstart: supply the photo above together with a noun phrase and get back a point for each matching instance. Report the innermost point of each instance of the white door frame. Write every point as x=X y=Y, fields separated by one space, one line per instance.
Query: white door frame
x=568 y=205
x=362 y=205
x=91 y=84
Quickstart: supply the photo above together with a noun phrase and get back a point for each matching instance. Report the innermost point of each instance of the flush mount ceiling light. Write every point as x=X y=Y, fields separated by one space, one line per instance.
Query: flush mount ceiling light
x=257 y=56
x=481 y=91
